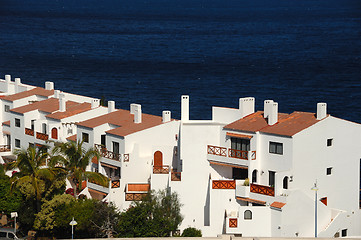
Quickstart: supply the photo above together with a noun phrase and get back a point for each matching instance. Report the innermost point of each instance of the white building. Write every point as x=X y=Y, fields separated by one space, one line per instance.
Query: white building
x=243 y=172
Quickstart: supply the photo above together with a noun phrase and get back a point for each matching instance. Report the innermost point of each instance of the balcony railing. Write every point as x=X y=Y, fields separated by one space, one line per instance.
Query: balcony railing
x=260 y=189
x=176 y=176
x=224 y=184
x=232 y=153
x=5 y=148
x=42 y=136
x=219 y=151
x=161 y=169
x=115 y=184
x=108 y=154
x=134 y=196
x=29 y=131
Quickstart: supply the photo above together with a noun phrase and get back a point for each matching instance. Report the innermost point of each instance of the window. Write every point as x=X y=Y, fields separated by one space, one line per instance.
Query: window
x=116 y=147
x=240 y=144
x=44 y=128
x=329 y=171
x=254 y=176
x=70 y=131
x=17 y=143
x=17 y=122
x=11 y=235
x=344 y=233
x=275 y=147
x=102 y=140
x=271 y=178
x=7 y=108
x=285 y=182
x=329 y=142
x=32 y=125
x=239 y=173
x=85 y=137
x=248 y=215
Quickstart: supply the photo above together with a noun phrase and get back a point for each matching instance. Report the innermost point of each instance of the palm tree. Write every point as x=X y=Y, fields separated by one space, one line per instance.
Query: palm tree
x=32 y=169
x=75 y=159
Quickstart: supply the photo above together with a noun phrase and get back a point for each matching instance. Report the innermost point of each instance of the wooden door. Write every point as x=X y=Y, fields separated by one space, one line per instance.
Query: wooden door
x=158 y=159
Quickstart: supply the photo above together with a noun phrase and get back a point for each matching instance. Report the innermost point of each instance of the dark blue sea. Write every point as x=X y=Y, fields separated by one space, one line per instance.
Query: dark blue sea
x=296 y=52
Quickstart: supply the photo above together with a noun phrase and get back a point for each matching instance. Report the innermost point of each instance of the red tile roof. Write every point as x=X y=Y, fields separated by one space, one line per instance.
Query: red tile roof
x=49 y=105
x=251 y=200
x=287 y=125
x=7 y=123
x=72 y=138
x=125 y=122
x=71 y=111
x=36 y=91
x=277 y=205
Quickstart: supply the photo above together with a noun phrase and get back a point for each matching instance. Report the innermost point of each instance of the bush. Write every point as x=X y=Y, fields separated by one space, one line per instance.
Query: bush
x=192 y=232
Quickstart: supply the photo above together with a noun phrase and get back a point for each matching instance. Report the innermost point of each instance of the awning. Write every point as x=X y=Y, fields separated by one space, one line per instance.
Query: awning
x=6 y=133
x=278 y=205
x=227 y=164
x=96 y=191
x=239 y=135
x=108 y=165
x=138 y=187
x=251 y=200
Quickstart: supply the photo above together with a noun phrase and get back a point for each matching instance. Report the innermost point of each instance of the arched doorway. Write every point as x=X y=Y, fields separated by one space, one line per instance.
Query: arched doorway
x=54 y=133
x=285 y=182
x=158 y=159
x=254 y=176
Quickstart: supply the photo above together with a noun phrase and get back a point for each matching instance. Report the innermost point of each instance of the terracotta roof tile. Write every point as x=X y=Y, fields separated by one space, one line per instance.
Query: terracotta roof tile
x=287 y=125
x=49 y=105
x=277 y=205
x=125 y=122
x=251 y=200
x=7 y=123
x=72 y=138
x=138 y=187
x=36 y=91
x=71 y=111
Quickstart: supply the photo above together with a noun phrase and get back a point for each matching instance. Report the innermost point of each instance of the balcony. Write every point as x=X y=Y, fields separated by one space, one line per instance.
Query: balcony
x=260 y=189
x=115 y=183
x=223 y=184
x=134 y=196
x=5 y=148
x=161 y=169
x=29 y=131
x=232 y=153
x=42 y=136
x=176 y=176
x=108 y=154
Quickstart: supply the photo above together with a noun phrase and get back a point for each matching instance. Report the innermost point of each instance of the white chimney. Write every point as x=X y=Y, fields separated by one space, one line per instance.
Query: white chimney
x=49 y=85
x=7 y=83
x=17 y=83
x=273 y=113
x=95 y=103
x=267 y=108
x=111 y=106
x=185 y=108
x=166 y=116
x=246 y=106
x=56 y=93
x=138 y=114
x=321 y=110
x=133 y=106
x=62 y=102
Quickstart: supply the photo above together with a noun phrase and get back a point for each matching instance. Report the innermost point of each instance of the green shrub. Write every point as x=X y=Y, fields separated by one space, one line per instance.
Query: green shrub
x=246 y=182
x=192 y=232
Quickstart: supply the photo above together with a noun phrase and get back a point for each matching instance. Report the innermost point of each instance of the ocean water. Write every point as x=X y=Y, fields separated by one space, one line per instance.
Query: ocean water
x=296 y=52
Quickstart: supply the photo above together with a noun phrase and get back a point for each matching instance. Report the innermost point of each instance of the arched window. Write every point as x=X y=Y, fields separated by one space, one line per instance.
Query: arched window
x=254 y=176
x=54 y=133
x=285 y=182
x=248 y=215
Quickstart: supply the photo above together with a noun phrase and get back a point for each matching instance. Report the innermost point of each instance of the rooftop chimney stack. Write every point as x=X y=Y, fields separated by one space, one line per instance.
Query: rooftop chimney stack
x=246 y=106
x=95 y=103
x=133 y=106
x=7 y=83
x=111 y=106
x=138 y=113
x=56 y=93
x=62 y=102
x=166 y=116
x=267 y=108
x=17 y=83
x=273 y=113
x=185 y=108
x=321 y=110
x=49 y=85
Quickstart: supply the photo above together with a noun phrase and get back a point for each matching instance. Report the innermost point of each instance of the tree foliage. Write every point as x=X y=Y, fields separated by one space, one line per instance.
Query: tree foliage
x=8 y=202
x=191 y=232
x=157 y=215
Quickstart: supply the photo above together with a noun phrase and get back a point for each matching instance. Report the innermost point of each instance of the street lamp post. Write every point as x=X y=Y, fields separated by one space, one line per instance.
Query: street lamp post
x=72 y=223
x=315 y=188
x=14 y=215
